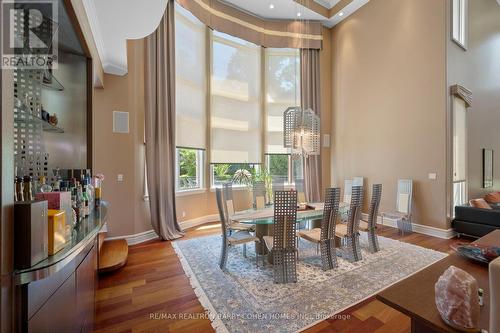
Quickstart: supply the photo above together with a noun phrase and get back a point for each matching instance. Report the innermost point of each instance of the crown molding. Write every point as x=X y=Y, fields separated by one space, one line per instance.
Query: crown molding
x=91 y=11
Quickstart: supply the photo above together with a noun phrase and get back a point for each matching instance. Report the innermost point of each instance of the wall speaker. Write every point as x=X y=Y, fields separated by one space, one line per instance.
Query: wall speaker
x=120 y=122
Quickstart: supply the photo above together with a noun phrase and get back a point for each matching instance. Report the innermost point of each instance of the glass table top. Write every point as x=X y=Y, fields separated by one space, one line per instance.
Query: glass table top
x=266 y=215
x=301 y=217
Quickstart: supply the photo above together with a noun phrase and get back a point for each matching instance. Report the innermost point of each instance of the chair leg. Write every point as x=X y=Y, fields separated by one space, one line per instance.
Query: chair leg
x=328 y=254
x=245 y=250
x=352 y=249
x=373 y=241
x=223 y=255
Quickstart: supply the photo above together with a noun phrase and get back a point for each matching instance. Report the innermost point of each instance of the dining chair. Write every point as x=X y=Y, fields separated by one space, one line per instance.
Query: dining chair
x=227 y=190
x=283 y=244
x=228 y=206
x=348 y=233
x=324 y=237
x=299 y=187
x=359 y=181
x=404 y=202
x=370 y=224
x=258 y=191
x=347 y=191
x=231 y=239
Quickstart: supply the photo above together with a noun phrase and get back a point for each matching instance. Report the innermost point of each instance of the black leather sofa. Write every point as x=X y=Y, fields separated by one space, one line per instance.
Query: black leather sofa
x=476 y=222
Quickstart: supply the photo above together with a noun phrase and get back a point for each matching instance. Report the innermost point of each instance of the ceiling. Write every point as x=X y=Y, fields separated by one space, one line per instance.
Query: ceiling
x=114 y=21
x=288 y=9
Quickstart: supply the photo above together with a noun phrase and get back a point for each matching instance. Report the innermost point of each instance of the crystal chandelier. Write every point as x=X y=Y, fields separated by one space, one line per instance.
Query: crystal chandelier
x=301 y=131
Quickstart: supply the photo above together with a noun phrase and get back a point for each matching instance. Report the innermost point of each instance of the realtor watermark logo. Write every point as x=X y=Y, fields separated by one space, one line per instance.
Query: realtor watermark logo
x=29 y=35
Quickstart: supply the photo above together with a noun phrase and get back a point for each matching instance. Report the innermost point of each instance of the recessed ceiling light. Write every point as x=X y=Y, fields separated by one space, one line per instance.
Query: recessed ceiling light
x=299 y=14
x=341 y=14
x=271 y=6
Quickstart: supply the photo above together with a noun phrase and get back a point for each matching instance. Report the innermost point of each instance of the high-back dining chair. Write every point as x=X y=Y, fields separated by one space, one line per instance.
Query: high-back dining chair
x=370 y=225
x=259 y=194
x=359 y=181
x=283 y=244
x=347 y=191
x=404 y=202
x=228 y=207
x=231 y=239
x=325 y=236
x=227 y=188
x=348 y=233
x=299 y=187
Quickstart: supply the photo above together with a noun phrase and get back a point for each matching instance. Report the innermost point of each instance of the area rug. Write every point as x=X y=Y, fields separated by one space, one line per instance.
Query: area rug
x=245 y=298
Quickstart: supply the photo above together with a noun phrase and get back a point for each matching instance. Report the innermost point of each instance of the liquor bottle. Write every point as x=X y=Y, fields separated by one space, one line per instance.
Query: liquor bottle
x=90 y=191
x=85 y=199
x=19 y=189
x=75 y=204
x=43 y=186
x=79 y=202
x=28 y=188
x=97 y=192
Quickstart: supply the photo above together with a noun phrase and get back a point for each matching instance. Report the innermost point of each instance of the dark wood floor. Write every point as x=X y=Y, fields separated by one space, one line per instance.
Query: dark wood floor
x=153 y=283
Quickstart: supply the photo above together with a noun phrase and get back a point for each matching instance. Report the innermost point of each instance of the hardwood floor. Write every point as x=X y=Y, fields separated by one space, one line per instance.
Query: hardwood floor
x=151 y=292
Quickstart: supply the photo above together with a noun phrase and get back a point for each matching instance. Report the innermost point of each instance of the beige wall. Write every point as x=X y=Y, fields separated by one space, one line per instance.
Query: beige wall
x=389 y=102
x=478 y=69
x=122 y=153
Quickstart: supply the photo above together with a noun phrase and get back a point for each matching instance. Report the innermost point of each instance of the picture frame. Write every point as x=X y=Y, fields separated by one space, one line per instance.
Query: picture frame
x=487 y=168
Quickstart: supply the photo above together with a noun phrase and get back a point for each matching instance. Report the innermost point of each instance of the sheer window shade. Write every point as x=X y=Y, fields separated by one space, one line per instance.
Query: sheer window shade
x=191 y=80
x=236 y=101
x=283 y=91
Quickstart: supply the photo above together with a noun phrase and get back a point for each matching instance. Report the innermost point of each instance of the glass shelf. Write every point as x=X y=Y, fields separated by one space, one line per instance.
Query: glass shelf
x=25 y=117
x=49 y=81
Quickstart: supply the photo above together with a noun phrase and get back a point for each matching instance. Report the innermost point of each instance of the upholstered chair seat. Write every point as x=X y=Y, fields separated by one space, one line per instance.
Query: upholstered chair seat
x=312 y=235
x=242 y=237
x=268 y=240
x=363 y=225
x=341 y=230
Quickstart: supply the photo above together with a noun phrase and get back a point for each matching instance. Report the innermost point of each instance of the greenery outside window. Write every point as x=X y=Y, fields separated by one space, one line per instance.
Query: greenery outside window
x=189 y=169
x=240 y=174
x=283 y=167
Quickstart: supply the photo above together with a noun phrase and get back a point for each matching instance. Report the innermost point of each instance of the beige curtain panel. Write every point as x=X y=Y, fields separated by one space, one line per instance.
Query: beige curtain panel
x=310 y=98
x=267 y=33
x=160 y=126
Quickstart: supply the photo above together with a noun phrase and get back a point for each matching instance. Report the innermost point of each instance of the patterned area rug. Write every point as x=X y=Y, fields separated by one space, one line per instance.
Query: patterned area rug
x=245 y=299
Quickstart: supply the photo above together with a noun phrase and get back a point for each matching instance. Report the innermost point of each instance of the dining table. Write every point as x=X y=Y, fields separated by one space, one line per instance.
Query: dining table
x=263 y=219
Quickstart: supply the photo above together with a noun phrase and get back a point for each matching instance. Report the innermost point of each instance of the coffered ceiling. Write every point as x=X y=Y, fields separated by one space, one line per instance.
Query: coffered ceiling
x=114 y=21
x=329 y=12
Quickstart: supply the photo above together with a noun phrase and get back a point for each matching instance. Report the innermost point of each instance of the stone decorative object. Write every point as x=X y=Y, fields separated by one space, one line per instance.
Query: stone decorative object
x=457 y=299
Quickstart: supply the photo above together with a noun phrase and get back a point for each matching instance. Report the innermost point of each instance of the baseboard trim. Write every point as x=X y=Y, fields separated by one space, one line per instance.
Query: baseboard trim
x=419 y=228
x=198 y=221
x=151 y=234
x=138 y=238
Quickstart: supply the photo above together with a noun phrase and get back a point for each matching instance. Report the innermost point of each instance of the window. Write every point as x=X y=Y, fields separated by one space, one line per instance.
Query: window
x=189 y=169
x=283 y=167
x=459 y=22
x=240 y=174
x=249 y=89
x=236 y=133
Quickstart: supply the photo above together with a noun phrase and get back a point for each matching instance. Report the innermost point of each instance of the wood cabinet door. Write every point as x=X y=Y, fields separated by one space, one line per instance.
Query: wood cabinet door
x=58 y=314
x=86 y=277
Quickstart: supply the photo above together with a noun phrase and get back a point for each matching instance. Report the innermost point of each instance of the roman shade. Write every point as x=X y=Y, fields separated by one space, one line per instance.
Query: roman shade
x=236 y=101
x=191 y=80
x=267 y=33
